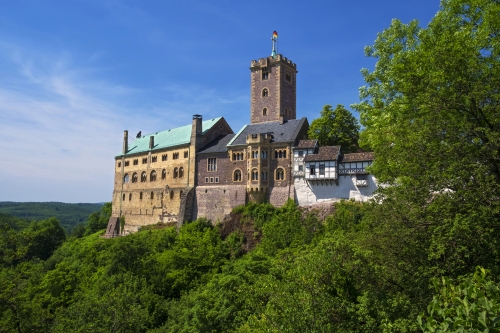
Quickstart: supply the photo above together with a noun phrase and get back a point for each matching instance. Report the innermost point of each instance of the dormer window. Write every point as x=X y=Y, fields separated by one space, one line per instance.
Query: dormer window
x=265 y=75
x=265 y=92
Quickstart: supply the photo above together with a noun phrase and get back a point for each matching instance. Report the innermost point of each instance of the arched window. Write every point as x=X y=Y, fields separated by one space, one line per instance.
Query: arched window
x=280 y=174
x=237 y=176
x=144 y=177
x=126 y=178
x=181 y=172
x=123 y=196
x=263 y=175
x=140 y=196
x=171 y=194
x=176 y=172
x=134 y=177
x=164 y=174
x=152 y=195
x=255 y=174
x=280 y=154
x=284 y=153
x=265 y=92
x=264 y=111
x=130 y=197
x=152 y=176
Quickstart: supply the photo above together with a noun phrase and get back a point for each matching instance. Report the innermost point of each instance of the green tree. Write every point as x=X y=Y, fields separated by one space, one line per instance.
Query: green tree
x=431 y=107
x=336 y=128
x=98 y=220
x=471 y=306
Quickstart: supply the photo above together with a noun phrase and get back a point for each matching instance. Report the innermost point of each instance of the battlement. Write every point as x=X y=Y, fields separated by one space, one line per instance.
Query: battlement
x=265 y=62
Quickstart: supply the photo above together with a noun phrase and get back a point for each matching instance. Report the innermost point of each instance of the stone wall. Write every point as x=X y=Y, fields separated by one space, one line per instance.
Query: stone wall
x=310 y=193
x=215 y=202
x=279 y=195
x=281 y=92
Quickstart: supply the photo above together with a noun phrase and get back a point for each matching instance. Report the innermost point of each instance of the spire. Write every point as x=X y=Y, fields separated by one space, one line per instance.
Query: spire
x=275 y=44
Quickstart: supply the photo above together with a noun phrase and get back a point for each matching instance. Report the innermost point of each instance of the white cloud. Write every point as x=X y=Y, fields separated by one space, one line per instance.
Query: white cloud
x=60 y=127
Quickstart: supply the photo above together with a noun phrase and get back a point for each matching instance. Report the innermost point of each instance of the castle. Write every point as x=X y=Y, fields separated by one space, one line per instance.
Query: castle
x=205 y=170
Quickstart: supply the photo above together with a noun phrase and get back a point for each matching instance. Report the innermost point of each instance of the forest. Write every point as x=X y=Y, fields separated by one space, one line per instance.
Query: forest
x=422 y=256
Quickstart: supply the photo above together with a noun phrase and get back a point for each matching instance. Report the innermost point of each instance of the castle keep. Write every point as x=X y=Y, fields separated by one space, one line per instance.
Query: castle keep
x=205 y=170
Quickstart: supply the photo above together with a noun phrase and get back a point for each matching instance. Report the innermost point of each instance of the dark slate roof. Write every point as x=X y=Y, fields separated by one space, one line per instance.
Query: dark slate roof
x=327 y=153
x=357 y=157
x=218 y=145
x=286 y=132
x=304 y=144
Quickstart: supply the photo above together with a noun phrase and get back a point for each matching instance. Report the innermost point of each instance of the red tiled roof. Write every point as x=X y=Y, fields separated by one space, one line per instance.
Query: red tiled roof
x=357 y=157
x=304 y=144
x=328 y=153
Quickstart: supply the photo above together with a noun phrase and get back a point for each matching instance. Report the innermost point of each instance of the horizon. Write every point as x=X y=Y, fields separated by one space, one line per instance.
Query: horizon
x=77 y=74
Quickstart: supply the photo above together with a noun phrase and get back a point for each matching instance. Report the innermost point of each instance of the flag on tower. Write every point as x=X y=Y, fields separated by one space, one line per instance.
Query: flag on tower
x=275 y=34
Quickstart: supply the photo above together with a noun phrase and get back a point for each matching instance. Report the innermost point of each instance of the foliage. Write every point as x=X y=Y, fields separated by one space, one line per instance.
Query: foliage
x=98 y=220
x=68 y=214
x=39 y=240
x=336 y=128
x=471 y=306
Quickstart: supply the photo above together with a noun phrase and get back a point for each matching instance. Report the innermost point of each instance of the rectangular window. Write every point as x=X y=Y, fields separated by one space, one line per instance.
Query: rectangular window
x=185 y=154
x=255 y=154
x=313 y=170
x=206 y=179
x=321 y=169
x=153 y=159
x=301 y=168
x=144 y=160
x=211 y=179
x=216 y=179
x=175 y=156
x=212 y=164
x=119 y=164
x=135 y=162
x=164 y=157
x=301 y=153
x=126 y=163
x=265 y=75
x=264 y=154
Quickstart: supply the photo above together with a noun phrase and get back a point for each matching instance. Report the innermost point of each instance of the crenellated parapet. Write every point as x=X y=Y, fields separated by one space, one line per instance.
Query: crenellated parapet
x=269 y=61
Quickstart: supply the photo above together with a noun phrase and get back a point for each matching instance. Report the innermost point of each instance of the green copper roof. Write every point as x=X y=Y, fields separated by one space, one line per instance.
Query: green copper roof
x=169 y=138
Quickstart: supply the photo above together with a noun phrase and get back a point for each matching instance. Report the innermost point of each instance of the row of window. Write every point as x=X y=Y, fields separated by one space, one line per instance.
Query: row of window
x=288 y=112
x=265 y=76
x=151 y=196
x=154 y=159
x=178 y=173
x=278 y=153
x=279 y=175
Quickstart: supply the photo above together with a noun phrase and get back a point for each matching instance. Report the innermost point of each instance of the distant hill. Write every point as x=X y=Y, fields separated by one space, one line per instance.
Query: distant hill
x=68 y=214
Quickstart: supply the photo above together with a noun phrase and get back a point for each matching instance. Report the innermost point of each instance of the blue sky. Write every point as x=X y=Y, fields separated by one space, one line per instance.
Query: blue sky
x=75 y=74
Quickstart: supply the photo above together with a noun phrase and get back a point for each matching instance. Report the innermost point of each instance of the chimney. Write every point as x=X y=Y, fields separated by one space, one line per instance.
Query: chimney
x=125 y=142
x=282 y=119
x=196 y=130
x=151 y=142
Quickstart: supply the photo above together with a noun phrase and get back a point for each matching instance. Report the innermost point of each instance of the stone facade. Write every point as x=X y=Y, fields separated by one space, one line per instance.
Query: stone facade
x=278 y=77
x=151 y=186
x=205 y=170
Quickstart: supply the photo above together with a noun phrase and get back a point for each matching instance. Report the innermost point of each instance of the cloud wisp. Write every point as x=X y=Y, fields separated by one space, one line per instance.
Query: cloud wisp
x=60 y=127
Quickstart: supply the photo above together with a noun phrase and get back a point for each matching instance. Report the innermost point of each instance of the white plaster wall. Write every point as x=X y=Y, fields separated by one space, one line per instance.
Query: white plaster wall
x=309 y=193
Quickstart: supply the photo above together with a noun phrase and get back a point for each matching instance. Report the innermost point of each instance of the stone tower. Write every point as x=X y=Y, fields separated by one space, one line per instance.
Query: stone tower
x=273 y=89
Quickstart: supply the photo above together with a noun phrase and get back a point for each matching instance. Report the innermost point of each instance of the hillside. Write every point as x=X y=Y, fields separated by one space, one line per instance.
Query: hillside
x=68 y=214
